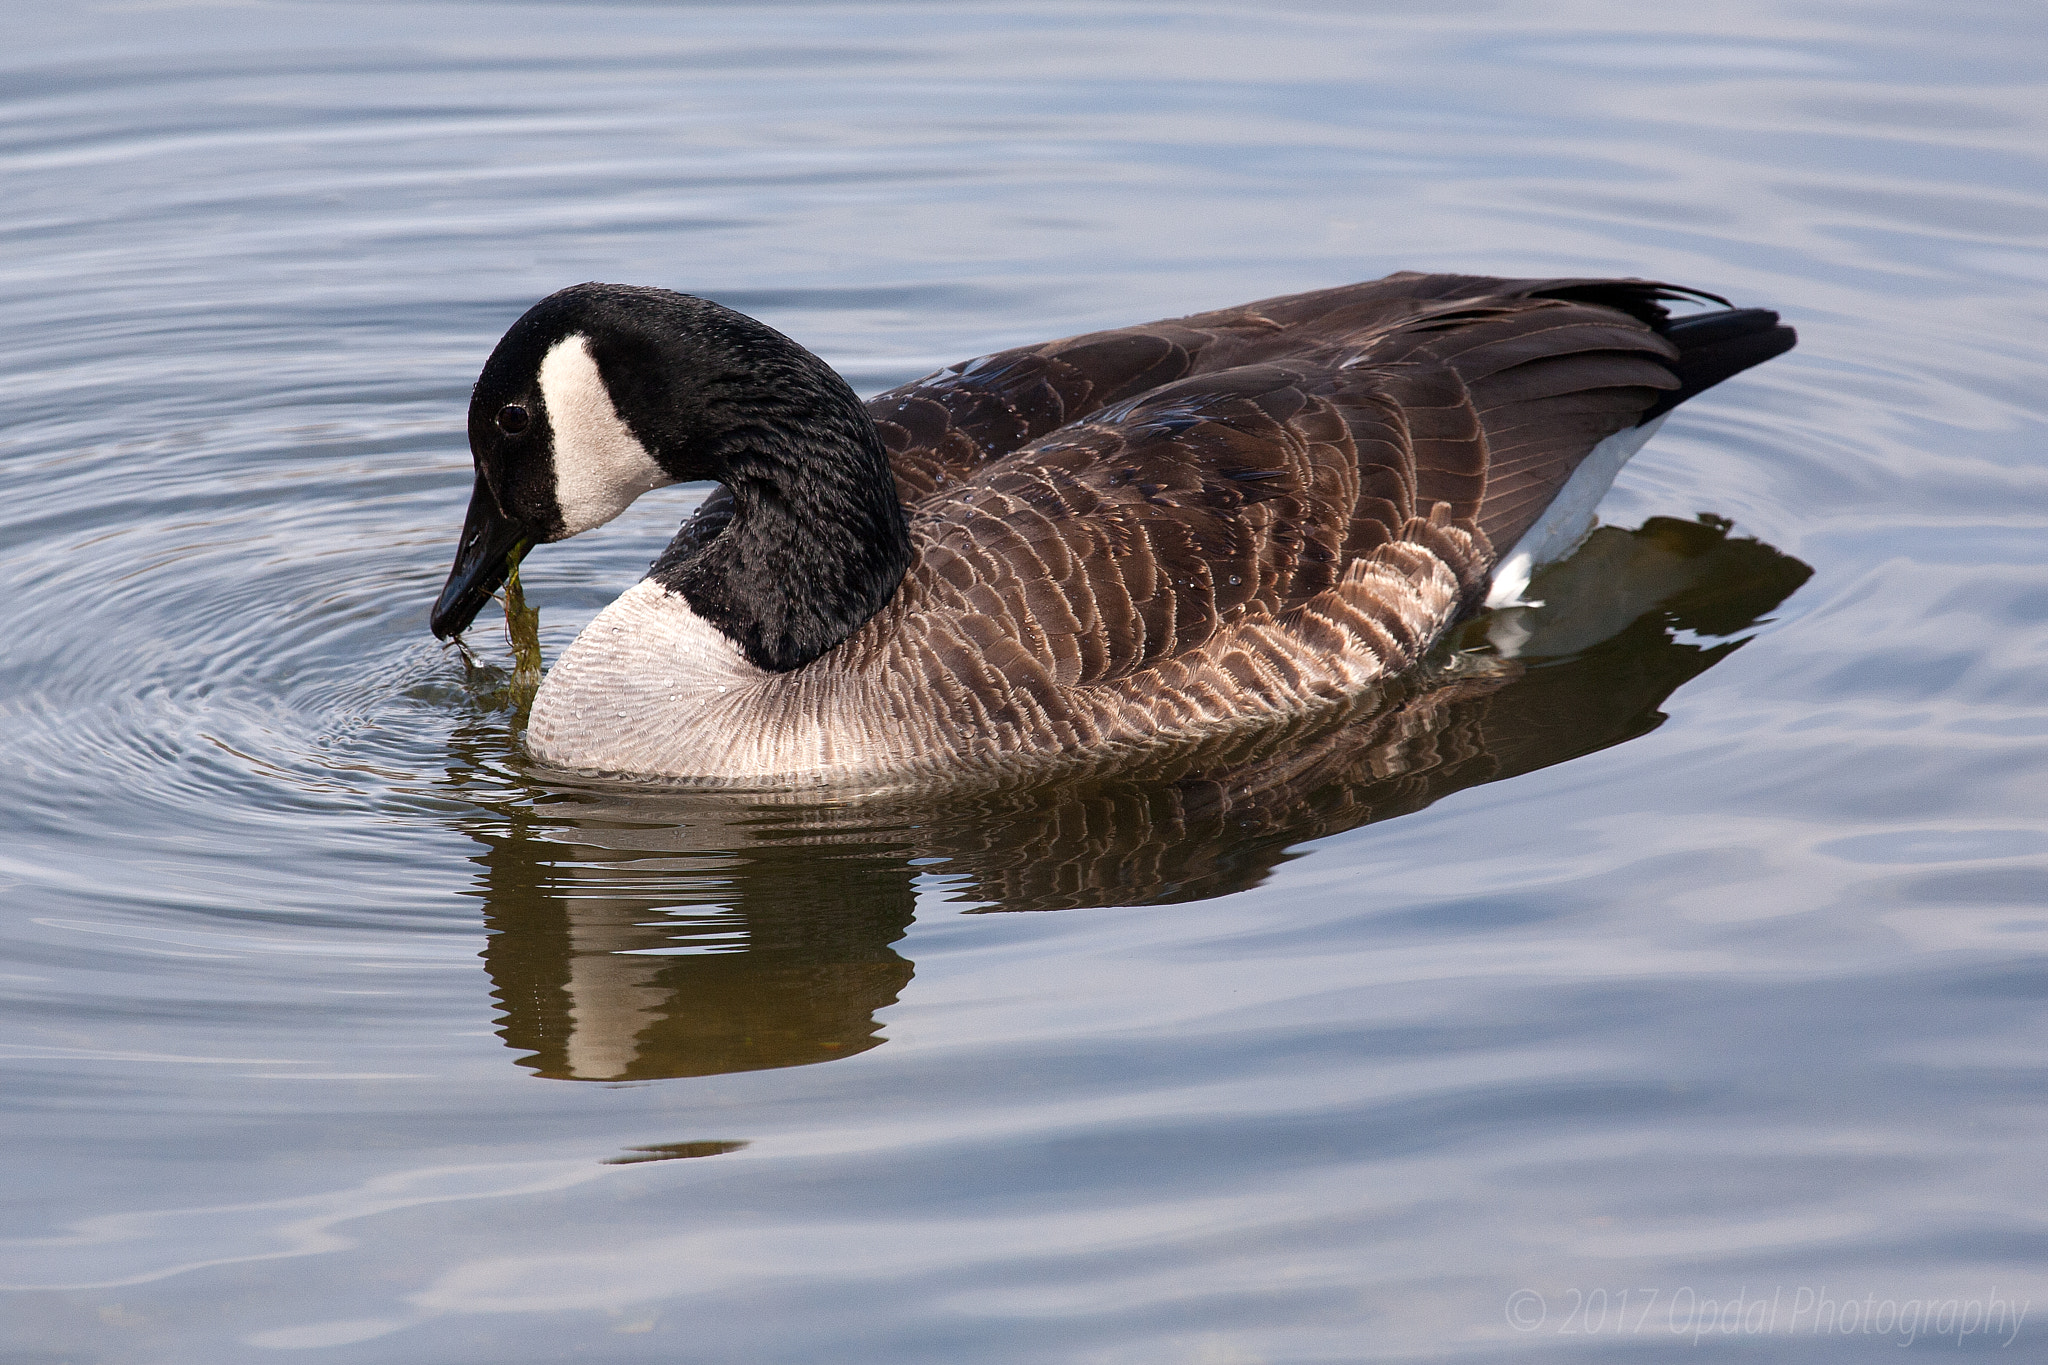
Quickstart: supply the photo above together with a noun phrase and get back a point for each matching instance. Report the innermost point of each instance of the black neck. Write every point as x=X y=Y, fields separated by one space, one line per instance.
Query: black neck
x=809 y=538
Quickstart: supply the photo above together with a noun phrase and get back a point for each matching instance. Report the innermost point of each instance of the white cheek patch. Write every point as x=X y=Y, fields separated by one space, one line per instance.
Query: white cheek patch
x=599 y=466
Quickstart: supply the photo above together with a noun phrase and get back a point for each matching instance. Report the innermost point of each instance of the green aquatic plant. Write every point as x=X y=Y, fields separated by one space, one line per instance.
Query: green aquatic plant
x=522 y=632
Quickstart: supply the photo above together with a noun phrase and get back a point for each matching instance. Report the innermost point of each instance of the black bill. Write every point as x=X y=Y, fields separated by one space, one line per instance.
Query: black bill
x=491 y=544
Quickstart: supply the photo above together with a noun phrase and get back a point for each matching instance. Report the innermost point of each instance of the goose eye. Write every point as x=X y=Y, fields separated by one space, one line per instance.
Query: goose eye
x=512 y=419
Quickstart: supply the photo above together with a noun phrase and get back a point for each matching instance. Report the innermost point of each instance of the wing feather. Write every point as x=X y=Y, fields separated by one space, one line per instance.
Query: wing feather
x=1174 y=498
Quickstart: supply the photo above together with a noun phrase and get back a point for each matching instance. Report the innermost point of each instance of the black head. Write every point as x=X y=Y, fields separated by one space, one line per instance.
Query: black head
x=554 y=454
x=603 y=391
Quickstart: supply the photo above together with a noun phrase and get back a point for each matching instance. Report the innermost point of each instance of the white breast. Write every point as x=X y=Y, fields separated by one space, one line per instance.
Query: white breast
x=652 y=688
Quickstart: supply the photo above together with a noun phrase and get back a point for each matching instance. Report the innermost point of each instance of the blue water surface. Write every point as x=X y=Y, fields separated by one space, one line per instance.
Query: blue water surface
x=1668 y=989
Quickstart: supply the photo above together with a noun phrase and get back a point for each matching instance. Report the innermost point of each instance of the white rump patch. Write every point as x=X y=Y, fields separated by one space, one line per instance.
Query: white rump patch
x=1569 y=518
x=599 y=466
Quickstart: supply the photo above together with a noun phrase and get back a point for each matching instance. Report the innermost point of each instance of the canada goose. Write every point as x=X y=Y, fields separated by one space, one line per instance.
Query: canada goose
x=1057 y=555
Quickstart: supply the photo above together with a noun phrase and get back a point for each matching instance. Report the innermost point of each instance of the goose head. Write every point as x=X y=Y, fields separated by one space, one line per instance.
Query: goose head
x=603 y=392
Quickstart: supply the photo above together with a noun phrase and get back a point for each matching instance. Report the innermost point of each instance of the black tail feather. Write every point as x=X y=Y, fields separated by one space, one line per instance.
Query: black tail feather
x=1715 y=346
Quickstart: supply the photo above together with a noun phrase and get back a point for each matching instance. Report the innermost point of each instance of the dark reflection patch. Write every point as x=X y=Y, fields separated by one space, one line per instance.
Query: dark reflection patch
x=673 y=1151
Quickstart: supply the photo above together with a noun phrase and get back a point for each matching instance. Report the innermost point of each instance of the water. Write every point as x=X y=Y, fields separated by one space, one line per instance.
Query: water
x=1692 y=961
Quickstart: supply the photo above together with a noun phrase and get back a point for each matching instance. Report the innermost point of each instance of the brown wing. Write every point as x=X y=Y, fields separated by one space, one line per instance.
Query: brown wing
x=1130 y=538
x=940 y=429
x=1546 y=379
x=944 y=427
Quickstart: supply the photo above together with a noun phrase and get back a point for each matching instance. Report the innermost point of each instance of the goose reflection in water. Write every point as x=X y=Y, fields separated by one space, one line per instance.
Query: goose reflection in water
x=637 y=934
